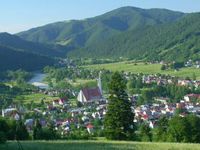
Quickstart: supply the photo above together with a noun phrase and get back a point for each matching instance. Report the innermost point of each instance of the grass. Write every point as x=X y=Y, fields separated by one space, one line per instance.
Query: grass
x=146 y=69
x=82 y=82
x=98 y=145
x=36 y=97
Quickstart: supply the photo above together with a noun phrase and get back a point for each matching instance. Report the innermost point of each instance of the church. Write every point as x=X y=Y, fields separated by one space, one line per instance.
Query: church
x=88 y=95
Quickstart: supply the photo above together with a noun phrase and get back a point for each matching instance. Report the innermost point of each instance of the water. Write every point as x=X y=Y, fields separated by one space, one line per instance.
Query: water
x=37 y=81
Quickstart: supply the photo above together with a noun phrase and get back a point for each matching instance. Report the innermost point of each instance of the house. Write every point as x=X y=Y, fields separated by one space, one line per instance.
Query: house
x=190 y=97
x=163 y=100
x=11 y=112
x=184 y=82
x=59 y=102
x=29 y=123
x=87 y=95
x=152 y=124
x=90 y=128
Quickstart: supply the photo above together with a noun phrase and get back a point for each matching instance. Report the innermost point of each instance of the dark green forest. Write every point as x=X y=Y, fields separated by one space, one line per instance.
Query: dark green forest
x=11 y=59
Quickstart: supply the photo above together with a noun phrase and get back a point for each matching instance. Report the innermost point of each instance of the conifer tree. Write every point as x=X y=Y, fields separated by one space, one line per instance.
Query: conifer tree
x=118 y=121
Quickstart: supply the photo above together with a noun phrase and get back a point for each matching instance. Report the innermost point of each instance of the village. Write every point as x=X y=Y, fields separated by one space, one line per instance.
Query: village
x=88 y=112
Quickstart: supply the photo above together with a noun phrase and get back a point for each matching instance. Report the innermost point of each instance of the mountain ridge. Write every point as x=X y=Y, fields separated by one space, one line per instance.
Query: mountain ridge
x=131 y=32
x=78 y=33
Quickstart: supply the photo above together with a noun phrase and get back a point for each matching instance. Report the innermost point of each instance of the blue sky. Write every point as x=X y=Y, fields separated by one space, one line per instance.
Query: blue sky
x=19 y=15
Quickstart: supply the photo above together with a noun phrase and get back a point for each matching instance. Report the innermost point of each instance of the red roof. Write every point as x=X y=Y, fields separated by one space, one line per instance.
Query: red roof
x=59 y=100
x=194 y=95
x=145 y=117
x=91 y=93
x=89 y=126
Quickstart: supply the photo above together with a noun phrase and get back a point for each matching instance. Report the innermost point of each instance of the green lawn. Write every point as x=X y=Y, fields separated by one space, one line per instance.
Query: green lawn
x=146 y=69
x=35 y=97
x=97 y=145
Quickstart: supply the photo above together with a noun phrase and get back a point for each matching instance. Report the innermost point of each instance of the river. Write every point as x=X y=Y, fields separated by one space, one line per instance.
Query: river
x=37 y=81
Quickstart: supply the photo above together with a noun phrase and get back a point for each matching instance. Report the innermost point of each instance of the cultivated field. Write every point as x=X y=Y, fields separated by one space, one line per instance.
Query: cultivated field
x=146 y=69
x=97 y=145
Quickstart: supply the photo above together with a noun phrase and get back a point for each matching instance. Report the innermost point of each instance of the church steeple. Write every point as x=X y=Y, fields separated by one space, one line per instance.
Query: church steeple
x=99 y=83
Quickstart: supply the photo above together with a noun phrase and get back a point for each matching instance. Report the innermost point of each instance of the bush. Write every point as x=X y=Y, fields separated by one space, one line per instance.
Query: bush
x=2 y=137
x=48 y=134
x=163 y=67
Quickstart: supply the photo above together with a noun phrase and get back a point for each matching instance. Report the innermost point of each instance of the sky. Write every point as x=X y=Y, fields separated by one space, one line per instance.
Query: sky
x=20 y=15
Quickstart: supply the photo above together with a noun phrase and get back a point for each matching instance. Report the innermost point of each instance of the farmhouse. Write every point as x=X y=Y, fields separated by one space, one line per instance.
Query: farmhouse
x=59 y=102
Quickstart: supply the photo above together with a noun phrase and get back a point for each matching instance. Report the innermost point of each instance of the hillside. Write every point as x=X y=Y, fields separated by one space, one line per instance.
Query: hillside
x=174 y=41
x=77 y=34
x=147 y=34
x=16 y=42
x=11 y=59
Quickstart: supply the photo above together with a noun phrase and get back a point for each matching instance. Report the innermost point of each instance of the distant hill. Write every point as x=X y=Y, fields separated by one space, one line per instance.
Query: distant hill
x=76 y=34
x=11 y=59
x=16 y=42
x=148 y=34
x=179 y=41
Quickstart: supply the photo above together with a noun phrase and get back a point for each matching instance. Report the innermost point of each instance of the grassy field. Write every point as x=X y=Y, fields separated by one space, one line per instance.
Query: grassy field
x=146 y=69
x=81 y=82
x=97 y=145
x=35 y=97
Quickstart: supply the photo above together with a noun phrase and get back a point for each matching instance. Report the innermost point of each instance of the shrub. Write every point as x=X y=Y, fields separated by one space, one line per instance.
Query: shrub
x=2 y=137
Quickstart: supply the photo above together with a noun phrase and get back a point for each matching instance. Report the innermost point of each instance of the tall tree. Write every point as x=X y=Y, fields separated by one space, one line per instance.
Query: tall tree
x=145 y=132
x=160 y=133
x=179 y=130
x=37 y=131
x=194 y=128
x=118 y=121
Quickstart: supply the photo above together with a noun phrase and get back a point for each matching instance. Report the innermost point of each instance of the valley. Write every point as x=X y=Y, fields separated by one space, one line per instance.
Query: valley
x=126 y=79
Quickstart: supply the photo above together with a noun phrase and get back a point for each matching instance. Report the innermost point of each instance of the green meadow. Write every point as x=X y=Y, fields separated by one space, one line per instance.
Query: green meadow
x=146 y=69
x=97 y=145
x=35 y=97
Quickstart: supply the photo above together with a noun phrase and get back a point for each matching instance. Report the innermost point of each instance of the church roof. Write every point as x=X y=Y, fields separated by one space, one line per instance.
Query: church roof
x=92 y=93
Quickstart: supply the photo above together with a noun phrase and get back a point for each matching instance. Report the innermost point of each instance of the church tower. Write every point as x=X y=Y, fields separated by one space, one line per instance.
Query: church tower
x=99 y=83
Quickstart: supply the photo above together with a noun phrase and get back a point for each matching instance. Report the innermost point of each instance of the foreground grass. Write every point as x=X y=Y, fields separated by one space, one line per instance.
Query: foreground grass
x=97 y=145
x=146 y=69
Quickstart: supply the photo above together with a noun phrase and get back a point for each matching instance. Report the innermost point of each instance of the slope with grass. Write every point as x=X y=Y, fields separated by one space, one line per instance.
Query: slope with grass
x=98 y=145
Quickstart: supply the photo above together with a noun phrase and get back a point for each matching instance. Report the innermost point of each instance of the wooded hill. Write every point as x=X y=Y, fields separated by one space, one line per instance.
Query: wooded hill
x=12 y=59
x=124 y=32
